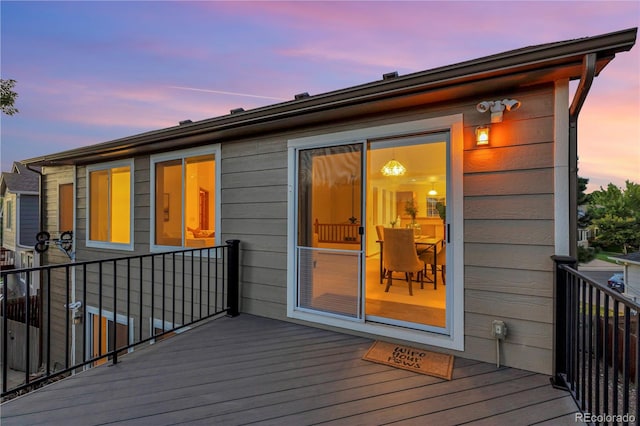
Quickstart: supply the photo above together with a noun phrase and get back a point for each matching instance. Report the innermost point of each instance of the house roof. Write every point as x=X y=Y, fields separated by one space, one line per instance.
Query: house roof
x=504 y=71
x=19 y=180
x=633 y=258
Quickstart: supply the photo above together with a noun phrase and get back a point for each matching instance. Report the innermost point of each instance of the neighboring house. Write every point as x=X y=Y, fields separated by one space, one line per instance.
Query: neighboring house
x=281 y=177
x=21 y=222
x=631 y=264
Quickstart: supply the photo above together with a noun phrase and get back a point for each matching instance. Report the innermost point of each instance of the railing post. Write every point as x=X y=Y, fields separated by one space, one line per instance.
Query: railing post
x=5 y=331
x=233 y=277
x=560 y=319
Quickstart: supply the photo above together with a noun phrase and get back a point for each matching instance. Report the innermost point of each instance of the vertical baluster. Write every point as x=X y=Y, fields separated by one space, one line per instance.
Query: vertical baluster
x=572 y=370
x=27 y=323
x=153 y=285
x=192 y=283
x=164 y=270
x=590 y=352
x=616 y=352
x=607 y=355
x=625 y=359
x=215 y=283
x=140 y=301
x=173 y=285
x=67 y=327
x=183 y=254
x=636 y=361
x=208 y=281
x=84 y=311
x=115 y=313
x=5 y=331
x=200 y=290
x=582 y=344
x=48 y=369
x=129 y=342
x=99 y=353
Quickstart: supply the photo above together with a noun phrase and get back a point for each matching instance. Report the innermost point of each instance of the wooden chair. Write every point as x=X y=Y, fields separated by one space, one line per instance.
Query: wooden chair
x=399 y=253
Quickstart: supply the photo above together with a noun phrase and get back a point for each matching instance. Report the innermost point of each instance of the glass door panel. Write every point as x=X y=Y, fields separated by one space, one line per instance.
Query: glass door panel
x=416 y=199
x=329 y=230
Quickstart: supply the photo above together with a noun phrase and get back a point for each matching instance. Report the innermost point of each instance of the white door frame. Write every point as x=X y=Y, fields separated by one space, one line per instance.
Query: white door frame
x=455 y=274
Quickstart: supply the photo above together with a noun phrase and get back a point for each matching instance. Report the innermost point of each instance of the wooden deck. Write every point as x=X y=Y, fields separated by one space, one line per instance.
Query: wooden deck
x=252 y=370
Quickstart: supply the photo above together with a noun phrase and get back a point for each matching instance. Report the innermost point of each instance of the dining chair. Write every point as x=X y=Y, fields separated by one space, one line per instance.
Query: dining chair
x=399 y=253
x=437 y=262
x=380 y=232
x=380 y=241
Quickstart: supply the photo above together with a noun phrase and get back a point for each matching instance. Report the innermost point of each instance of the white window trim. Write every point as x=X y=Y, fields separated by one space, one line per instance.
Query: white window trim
x=175 y=155
x=455 y=316
x=107 y=244
x=119 y=319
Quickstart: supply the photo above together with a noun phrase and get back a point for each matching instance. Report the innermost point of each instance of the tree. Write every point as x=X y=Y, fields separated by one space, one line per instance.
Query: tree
x=8 y=96
x=584 y=218
x=616 y=214
x=585 y=254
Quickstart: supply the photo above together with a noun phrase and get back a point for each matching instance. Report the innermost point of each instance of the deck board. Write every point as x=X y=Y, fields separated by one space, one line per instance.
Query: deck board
x=252 y=370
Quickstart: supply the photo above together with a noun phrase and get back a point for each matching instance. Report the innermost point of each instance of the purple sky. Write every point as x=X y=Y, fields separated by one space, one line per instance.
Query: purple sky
x=90 y=72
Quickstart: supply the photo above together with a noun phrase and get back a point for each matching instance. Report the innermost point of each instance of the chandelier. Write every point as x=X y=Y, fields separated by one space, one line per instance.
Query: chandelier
x=393 y=168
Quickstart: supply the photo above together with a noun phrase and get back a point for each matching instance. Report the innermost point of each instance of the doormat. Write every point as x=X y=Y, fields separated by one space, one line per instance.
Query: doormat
x=407 y=358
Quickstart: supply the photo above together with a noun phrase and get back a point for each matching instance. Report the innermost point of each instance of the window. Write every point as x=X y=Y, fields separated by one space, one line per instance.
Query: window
x=26 y=261
x=110 y=205
x=9 y=214
x=433 y=206
x=65 y=207
x=185 y=198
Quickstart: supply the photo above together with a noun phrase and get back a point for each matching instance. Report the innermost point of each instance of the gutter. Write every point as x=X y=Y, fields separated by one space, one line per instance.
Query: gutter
x=586 y=79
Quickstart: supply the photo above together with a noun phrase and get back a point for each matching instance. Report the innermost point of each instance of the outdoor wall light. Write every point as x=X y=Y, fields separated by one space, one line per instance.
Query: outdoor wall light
x=482 y=135
x=498 y=107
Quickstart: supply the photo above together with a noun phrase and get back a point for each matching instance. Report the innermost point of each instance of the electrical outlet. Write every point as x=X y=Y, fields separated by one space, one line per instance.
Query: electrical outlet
x=499 y=329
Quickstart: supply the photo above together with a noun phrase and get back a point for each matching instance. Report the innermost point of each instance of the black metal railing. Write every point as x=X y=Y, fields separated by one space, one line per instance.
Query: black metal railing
x=596 y=346
x=94 y=311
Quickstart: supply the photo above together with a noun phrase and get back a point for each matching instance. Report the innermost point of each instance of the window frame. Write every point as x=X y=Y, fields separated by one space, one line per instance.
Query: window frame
x=107 y=244
x=182 y=155
x=73 y=205
x=26 y=261
x=8 y=211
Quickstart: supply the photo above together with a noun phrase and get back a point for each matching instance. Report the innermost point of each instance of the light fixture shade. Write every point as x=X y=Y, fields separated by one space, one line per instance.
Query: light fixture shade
x=433 y=191
x=482 y=135
x=393 y=168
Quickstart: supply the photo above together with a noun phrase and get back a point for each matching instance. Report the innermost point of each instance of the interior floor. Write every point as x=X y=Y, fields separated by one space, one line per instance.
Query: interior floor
x=427 y=306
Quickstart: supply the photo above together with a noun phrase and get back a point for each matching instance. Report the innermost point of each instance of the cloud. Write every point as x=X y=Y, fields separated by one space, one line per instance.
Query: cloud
x=220 y=92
